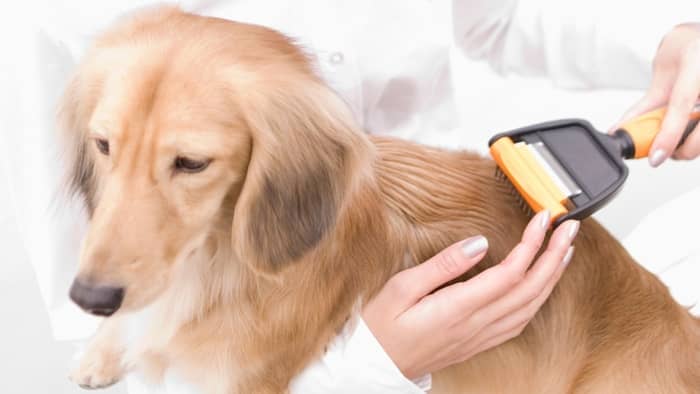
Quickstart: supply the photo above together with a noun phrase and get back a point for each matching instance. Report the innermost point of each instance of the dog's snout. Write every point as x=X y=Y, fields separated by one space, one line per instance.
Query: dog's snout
x=98 y=300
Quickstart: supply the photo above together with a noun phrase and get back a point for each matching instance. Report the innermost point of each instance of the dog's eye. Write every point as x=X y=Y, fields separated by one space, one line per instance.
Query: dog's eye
x=102 y=146
x=191 y=166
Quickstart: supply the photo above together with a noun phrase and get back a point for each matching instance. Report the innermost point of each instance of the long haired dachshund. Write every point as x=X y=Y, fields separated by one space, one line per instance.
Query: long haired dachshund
x=240 y=216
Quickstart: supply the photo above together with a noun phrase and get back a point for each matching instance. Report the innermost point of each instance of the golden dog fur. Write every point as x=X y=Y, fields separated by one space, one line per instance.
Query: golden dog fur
x=243 y=272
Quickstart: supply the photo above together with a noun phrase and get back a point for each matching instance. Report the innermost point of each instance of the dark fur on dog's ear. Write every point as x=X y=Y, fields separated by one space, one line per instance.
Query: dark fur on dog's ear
x=78 y=159
x=304 y=147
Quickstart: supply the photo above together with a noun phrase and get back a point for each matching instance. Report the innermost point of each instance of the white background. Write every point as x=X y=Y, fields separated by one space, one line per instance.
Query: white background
x=32 y=362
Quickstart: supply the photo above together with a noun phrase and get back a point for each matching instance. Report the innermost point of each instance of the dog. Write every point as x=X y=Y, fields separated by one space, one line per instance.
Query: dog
x=240 y=214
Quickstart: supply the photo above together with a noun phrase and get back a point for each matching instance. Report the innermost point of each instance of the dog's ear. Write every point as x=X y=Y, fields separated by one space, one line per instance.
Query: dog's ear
x=305 y=149
x=72 y=122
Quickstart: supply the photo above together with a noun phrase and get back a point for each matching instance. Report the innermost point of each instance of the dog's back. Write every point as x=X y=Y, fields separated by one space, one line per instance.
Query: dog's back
x=609 y=326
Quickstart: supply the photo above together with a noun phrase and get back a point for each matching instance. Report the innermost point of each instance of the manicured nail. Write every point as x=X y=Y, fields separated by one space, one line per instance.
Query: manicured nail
x=544 y=220
x=567 y=257
x=475 y=246
x=657 y=157
x=573 y=229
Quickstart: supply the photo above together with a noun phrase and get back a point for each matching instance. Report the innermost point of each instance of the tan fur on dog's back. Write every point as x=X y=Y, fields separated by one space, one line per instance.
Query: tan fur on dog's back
x=253 y=265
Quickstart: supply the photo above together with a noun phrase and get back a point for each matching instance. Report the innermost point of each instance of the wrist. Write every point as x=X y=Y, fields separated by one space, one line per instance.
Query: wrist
x=382 y=360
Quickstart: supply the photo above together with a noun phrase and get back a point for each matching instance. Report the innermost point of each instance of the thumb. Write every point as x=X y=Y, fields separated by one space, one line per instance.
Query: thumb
x=407 y=287
x=647 y=103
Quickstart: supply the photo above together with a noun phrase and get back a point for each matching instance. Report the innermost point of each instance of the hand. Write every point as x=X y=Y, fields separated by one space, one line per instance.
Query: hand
x=676 y=83
x=424 y=332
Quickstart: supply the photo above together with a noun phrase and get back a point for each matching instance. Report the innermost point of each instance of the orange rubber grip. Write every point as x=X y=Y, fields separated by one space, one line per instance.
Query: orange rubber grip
x=644 y=129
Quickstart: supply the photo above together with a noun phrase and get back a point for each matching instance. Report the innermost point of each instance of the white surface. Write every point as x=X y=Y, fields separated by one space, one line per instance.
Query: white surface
x=31 y=361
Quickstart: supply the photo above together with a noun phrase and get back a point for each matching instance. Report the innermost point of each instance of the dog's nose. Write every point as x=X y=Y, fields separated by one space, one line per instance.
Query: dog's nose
x=98 y=300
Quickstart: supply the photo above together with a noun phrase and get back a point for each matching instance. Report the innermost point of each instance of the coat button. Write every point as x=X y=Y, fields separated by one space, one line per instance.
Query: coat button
x=337 y=58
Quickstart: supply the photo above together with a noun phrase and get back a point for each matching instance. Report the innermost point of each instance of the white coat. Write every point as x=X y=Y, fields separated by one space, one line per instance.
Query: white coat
x=393 y=61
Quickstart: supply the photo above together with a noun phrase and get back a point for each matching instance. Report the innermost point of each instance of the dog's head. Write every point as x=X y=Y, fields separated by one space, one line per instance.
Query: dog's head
x=180 y=126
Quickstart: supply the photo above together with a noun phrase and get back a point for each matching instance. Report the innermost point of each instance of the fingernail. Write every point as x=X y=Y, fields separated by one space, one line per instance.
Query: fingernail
x=544 y=220
x=573 y=229
x=475 y=246
x=657 y=157
x=567 y=257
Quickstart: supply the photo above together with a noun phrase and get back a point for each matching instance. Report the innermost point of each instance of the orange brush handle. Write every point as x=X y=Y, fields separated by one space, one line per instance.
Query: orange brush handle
x=644 y=129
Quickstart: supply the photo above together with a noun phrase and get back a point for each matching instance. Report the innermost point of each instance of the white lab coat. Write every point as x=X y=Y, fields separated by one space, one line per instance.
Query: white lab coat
x=391 y=62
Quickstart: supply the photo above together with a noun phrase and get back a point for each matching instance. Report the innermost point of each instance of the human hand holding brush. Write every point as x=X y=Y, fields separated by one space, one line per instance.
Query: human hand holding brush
x=676 y=84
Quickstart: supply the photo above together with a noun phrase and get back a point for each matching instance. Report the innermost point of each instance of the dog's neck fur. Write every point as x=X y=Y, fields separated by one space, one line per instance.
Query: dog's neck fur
x=433 y=193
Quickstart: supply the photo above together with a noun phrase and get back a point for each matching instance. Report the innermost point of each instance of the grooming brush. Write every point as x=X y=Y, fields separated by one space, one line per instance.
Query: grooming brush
x=570 y=168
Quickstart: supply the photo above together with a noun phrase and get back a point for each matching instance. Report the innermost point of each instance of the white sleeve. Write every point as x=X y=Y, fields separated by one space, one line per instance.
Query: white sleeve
x=583 y=44
x=356 y=363
x=674 y=256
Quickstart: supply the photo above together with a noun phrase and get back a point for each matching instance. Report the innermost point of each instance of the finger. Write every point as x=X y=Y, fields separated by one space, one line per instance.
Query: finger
x=406 y=288
x=465 y=297
x=512 y=325
x=490 y=343
x=516 y=321
x=568 y=256
x=683 y=97
x=528 y=311
x=501 y=339
x=465 y=346
x=537 y=278
x=691 y=147
x=656 y=96
x=652 y=100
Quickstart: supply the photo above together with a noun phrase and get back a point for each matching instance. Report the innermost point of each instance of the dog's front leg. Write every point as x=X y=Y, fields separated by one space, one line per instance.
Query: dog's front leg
x=101 y=365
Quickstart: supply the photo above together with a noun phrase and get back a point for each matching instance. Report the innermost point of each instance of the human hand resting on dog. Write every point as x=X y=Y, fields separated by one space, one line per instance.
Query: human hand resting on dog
x=676 y=83
x=423 y=331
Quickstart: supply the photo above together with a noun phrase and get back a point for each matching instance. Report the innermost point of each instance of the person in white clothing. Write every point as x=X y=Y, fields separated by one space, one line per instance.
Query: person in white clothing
x=389 y=60
x=414 y=335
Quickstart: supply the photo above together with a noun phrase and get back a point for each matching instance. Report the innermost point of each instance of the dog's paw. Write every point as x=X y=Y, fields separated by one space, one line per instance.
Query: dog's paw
x=97 y=371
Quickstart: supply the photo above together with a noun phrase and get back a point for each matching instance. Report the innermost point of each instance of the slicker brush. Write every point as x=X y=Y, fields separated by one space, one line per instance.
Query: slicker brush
x=568 y=167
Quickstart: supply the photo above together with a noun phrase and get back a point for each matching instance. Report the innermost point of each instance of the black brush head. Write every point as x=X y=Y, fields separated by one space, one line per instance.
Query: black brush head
x=593 y=160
